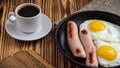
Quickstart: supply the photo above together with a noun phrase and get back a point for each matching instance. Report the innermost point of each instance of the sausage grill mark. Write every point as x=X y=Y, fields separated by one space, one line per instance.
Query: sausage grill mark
x=84 y=31
x=78 y=51
x=71 y=30
x=91 y=55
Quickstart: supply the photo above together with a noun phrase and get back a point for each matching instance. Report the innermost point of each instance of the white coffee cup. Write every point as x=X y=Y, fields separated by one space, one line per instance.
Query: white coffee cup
x=27 y=17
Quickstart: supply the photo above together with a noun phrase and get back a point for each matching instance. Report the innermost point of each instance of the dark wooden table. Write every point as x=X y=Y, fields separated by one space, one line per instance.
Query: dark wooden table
x=46 y=47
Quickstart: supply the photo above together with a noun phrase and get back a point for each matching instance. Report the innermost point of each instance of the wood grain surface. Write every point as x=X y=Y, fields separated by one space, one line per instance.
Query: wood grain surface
x=46 y=47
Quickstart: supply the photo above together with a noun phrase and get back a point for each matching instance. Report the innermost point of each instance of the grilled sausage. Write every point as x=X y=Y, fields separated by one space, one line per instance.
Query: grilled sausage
x=86 y=39
x=74 y=40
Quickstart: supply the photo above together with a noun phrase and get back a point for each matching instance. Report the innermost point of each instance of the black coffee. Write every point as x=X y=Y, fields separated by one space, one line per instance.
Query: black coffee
x=28 y=11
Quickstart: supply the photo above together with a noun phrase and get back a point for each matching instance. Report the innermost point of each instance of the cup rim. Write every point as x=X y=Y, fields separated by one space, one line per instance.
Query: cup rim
x=27 y=4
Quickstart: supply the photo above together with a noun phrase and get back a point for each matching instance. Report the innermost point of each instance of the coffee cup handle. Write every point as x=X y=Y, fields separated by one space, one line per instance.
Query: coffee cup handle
x=12 y=17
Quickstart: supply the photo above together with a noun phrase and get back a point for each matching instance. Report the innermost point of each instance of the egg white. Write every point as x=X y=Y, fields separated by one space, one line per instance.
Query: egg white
x=109 y=36
x=111 y=33
x=104 y=62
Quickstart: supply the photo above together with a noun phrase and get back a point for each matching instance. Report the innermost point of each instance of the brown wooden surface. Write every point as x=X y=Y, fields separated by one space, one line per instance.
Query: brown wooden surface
x=55 y=10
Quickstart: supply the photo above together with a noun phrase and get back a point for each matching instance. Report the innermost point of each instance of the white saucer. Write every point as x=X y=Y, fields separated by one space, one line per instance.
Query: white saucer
x=45 y=29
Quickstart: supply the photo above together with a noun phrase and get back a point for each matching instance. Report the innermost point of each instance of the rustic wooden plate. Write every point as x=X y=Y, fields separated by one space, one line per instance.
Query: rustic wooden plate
x=79 y=17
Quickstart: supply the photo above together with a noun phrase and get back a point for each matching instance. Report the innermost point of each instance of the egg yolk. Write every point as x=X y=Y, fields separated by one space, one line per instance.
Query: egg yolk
x=107 y=52
x=96 y=25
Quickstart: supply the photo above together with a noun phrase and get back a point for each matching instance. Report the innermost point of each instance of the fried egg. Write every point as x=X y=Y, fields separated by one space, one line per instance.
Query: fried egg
x=102 y=30
x=108 y=53
x=106 y=37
